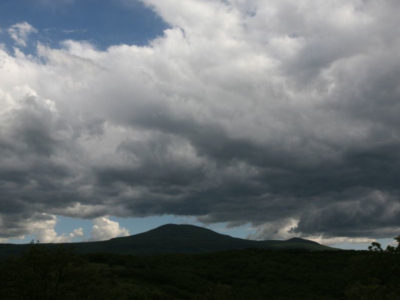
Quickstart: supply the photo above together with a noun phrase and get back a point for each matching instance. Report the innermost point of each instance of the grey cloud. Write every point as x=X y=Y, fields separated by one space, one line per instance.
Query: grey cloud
x=36 y=174
x=360 y=212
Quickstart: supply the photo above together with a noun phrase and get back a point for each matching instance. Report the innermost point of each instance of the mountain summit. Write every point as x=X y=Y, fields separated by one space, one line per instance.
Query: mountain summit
x=173 y=238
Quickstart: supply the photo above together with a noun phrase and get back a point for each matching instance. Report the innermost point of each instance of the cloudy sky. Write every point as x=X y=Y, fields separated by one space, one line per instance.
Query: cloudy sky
x=265 y=119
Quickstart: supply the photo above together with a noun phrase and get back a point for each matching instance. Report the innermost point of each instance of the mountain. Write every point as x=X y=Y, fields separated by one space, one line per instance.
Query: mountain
x=173 y=238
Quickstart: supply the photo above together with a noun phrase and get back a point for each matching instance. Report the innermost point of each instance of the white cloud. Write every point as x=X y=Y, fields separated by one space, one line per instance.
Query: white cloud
x=286 y=229
x=339 y=240
x=43 y=228
x=20 y=32
x=276 y=230
x=78 y=232
x=105 y=229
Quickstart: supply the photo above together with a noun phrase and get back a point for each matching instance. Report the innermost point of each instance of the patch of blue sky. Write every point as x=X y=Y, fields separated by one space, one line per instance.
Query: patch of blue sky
x=362 y=246
x=66 y=225
x=102 y=23
x=26 y=239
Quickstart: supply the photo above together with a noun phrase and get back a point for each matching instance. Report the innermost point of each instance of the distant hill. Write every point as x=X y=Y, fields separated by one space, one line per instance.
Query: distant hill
x=173 y=238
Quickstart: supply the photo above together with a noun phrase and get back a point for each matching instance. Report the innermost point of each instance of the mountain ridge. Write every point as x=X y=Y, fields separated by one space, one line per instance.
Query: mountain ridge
x=173 y=238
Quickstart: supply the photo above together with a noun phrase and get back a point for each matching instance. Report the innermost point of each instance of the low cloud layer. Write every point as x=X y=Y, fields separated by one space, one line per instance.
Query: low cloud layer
x=282 y=114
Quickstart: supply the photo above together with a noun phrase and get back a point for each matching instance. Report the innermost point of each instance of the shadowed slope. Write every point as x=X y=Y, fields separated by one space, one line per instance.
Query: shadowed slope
x=173 y=238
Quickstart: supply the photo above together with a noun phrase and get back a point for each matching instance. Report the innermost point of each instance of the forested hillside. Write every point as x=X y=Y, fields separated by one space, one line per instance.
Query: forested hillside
x=241 y=274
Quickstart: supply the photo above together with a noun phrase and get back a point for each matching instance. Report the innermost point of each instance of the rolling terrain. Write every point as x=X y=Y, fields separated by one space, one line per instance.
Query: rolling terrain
x=189 y=262
x=171 y=238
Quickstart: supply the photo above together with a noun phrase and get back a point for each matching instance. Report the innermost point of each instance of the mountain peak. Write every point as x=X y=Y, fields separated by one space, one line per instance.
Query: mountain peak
x=182 y=229
x=176 y=226
x=175 y=238
x=300 y=240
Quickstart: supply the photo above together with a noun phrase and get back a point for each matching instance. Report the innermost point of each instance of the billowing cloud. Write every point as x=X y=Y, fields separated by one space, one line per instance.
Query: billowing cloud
x=20 y=32
x=243 y=111
x=78 y=232
x=105 y=229
x=42 y=226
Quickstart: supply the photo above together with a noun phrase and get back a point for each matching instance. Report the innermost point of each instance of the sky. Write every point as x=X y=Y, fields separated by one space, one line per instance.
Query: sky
x=260 y=119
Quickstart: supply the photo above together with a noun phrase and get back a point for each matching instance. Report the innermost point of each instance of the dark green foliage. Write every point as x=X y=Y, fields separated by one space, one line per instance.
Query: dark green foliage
x=240 y=274
x=52 y=274
x=376 y=273
x=45 y=272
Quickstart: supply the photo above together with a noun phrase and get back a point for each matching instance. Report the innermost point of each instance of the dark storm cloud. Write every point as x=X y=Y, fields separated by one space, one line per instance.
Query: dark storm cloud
x=284 y=119
x=279 y=185
x=33 y=174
